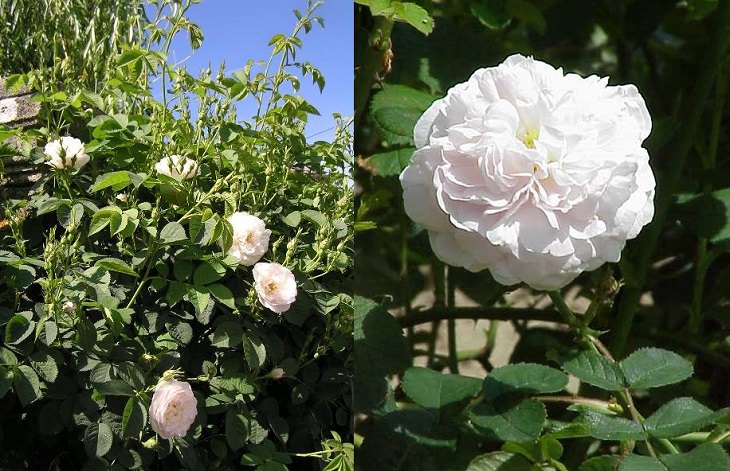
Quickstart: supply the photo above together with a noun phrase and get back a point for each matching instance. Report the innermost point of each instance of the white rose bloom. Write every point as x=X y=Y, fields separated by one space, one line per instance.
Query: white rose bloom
x=250 y=238
x=533 y=174
x=275 y=286
x=173 y=408
x=177 y=166
x=66 y=152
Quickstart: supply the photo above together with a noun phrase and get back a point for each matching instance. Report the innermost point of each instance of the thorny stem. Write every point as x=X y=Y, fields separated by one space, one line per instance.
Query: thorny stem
x=451 y=324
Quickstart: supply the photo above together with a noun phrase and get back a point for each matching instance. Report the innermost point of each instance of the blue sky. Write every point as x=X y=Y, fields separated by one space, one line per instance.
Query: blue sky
x=238 y=30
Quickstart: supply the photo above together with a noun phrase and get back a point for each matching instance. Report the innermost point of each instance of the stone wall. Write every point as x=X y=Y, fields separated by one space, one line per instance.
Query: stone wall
x=19 y=174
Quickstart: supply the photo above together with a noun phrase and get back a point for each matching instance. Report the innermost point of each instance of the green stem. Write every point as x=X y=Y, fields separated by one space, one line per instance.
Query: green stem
x=451 y=323
x=564 y=310
x=439 y=313
x=373 y=55
x=700 y=437
x=691 y=115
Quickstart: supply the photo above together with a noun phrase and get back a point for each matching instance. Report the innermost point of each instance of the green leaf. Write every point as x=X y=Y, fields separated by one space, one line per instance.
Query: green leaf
x=600 y=463
x=499 y=461
x=237 y=429
x=640 y=463
x=199 y=297
x=45 y=365
x=705 y=457
x=172 y=232
x=114 y=387
x=254 y=350
x=380 y=347
x=520 y=423
x=677 y=417
x=492 y=14
x=180 y=331
x=98 y=439
x=389 y=163
x=114 y=264
x=208 y=272
x=223 y=295
x=18 y=329
x=594 y=369
x=134 y=418
x=398 y=121
x=612 y=428
x=315 y=216
x=401 y=96
x=292 y=219
x=415 y=16
x=523 y=379
x=102 y=218
x=434 y=390
x=118 y=180
x=654 y=367
x=707 y=215
x=227 y=334
x=26 y=384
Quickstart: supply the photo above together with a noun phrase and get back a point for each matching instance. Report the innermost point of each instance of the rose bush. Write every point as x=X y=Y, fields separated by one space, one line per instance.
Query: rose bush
x=133 y=336
x=532 y=173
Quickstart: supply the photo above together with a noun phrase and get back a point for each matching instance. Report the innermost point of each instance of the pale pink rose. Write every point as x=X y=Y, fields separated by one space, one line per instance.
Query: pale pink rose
x=173 y=408
x=531 y=173
x=177 y=166
x=66 y=152
x=275 y=286
x=250 y=238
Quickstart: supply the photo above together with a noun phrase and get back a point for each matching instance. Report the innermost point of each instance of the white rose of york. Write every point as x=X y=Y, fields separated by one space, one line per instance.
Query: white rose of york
x=275 y=286
x=66 y=152
x=173 y=408
x=177 y=166
x=533 y=174
x=250 y=238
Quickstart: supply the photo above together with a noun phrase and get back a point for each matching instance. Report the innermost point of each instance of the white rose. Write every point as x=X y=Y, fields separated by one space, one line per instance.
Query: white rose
x=275 y=286
x=533 y=174
x=173 y=408
x=66 y=152
x=177 y=166
x=250 y=238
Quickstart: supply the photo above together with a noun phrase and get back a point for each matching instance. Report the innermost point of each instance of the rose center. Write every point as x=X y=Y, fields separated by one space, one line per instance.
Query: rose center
x=529 y=138
x=271 y=287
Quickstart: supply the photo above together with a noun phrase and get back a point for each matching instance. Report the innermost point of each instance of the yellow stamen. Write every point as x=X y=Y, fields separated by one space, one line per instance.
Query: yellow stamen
x=529 y=138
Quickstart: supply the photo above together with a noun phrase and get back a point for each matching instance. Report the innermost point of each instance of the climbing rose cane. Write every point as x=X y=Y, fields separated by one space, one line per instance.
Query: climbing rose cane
x=534 y=174
x=173 y=408
x=250 y=238
x=275 y=285
x=66 y=152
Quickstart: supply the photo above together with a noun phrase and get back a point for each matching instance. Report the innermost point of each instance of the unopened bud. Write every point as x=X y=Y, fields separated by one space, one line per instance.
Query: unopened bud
x=276 y=373
x=69 y=307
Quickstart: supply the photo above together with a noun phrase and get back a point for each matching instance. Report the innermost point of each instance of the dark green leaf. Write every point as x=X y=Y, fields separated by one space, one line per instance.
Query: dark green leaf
x=26 y=384
x=433 y=390
x=118 y=180
x=254 y=351
x=223 y=295
x=117 y=265
x=640 y=463
x=98 y=439
x=601 y=463
x=499 y=461
x=594 y=369
x=380 y=347
x=389 y=163
x=134 y=418
x=208 y=272
x=172 y=232
x=612 y=428
x=114 y=387
x=18 y=329
x=237 y=429
x=653 y=367
x=520 y=423
x=705 y=457
x=523 y=379
x=677 y=417
x=414 y=15
x=199 y=296
x=707 y=215
x=398 y=121
x=45 y=365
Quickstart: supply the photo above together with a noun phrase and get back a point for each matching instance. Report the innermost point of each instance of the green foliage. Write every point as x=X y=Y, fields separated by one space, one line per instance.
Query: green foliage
x=115 y=275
